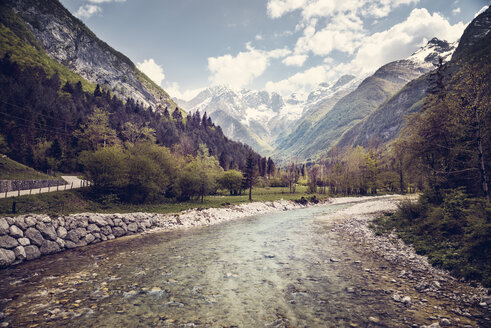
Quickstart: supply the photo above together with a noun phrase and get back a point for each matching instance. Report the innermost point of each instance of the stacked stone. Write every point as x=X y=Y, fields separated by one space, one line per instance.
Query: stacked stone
x=29 y=236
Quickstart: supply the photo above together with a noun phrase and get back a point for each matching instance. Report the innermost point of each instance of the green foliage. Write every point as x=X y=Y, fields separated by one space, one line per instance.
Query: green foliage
x=107 y=169
x=455 y=235
x=231 y=180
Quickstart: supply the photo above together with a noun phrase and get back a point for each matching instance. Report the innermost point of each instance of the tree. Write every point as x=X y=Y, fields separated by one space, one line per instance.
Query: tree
x=313 y=175
x=134 y=133
x=250 y=174
x=107 y=169
x=96 y=132
x=231 y=180
x=292 y=174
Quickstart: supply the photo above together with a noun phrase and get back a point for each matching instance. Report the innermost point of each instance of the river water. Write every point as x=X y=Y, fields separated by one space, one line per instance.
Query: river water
x=278 y=270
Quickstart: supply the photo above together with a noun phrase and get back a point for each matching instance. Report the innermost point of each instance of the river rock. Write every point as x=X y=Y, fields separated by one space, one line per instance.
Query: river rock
x=7 y=257
x=118 y=232
x=70 y=244
x=19 y=222
x=61 y=232
x=24 y=241
x=30 y=221
x=60 y=242
x=89 y=238
x=109 y=222
x=16 y=232
x=8 y=242
x=406 y=300
x=47 y=230
x=110 y=237
x=106 y=230
x=76 y=234
x=117 y=222
x=32 y=252
x=445 y=322
x=49 y=247
x=374 y=319
x=397 y=297
x=97 y=220
x=20 y=253
x=4 y=227
x=133 y=227
x=35 y=236
x=93 y=228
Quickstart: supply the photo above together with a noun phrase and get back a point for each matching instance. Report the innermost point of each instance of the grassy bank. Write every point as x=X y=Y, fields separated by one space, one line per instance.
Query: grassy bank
x=12 y=170
x=455 y=235
x=80 y=200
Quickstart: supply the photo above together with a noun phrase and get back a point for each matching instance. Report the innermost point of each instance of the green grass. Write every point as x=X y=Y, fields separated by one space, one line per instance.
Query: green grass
x=12 y=170
x=80 y=200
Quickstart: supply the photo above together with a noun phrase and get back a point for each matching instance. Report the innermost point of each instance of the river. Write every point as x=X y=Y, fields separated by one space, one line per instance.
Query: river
x=285 y=269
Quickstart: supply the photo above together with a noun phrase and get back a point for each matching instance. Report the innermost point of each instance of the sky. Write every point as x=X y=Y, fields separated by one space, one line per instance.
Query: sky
x=284 y=46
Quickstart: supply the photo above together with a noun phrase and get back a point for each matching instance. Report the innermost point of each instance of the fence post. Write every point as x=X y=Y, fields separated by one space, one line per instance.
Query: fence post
x=49 y=187
x=57 y=186
x=71 y=187
x=13 y=207
x=18 y=190
x=30 y=191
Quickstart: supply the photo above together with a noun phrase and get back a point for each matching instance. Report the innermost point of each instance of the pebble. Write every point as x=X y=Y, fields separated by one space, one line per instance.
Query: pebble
x=445 y=322
x=374 y=319
x=333 y=260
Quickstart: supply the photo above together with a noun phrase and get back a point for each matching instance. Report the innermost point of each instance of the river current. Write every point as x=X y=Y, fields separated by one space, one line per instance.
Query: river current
x=277 y=270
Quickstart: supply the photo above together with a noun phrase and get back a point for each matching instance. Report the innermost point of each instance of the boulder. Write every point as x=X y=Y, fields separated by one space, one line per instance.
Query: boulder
x=109 y=222
x=106 y=230
x=8 y=242
x=32 y=252
x=118 y=231
x=61 y=232
x=20 y=253
x=20 y=222
x=89 y=238
x=70 y=244
x=7 y=257
x=49 y=247
x=133 y=227
x=4 y=227
x=16 y=232
x=24 y=241
x=76 y=234
x=30 y=221
x=93 y=227
x=60 y=242
x=47 y=230
x=97 y=220
x=35 y=236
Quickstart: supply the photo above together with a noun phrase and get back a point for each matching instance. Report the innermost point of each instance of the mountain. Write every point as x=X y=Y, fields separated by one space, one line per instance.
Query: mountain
x=69 y=42
x=249 y=116
x=385 y=123
x=353 y=108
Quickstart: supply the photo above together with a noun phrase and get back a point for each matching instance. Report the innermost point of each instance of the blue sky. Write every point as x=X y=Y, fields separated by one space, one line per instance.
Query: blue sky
x=278 y=45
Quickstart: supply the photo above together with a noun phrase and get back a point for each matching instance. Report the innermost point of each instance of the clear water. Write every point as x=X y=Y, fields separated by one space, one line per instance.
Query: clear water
x=272 y=270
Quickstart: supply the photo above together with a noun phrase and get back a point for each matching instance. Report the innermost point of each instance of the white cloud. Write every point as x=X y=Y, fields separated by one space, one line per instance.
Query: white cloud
x=483 y=9
x=295 y=60
x=301 y=83
x=343 y=33
x=456 y=11
x=277 y=8
x=102 y=1
x=153 y=70
x=402 y=39
x=239 y=71
x=326 y=8
x=174 y=90
x=87 y=11
x=259 y=37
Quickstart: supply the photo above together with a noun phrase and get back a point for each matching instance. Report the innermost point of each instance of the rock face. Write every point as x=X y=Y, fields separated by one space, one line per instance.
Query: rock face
x=67 y=40
x=28 y=237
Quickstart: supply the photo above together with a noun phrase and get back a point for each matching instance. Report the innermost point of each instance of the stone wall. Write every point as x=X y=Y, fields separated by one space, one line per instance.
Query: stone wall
x=28 y=237
x=14 y=185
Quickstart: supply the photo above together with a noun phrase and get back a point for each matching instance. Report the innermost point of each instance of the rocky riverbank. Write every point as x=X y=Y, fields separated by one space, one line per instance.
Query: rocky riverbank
x=419 y=285
x=28 y=237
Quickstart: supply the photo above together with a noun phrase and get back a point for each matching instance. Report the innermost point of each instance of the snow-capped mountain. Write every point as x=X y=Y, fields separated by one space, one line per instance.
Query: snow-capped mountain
x=250 y=116
x=430 y=54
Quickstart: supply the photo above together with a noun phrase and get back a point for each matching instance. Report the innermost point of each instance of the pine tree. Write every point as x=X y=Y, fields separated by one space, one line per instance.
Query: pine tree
x=250 y=174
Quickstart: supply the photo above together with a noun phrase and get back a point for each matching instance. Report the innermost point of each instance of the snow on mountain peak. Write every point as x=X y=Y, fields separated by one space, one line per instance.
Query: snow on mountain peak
x=432 y=51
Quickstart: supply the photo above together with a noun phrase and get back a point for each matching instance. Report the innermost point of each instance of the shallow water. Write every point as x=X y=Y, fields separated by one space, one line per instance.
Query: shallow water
x=276 y=270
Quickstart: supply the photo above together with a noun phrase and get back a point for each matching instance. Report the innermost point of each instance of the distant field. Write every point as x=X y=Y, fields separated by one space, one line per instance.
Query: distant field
x=12 y=170
x=77 y=201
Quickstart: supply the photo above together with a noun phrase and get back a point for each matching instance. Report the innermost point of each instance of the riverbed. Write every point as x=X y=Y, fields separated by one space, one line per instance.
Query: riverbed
x=296 y=268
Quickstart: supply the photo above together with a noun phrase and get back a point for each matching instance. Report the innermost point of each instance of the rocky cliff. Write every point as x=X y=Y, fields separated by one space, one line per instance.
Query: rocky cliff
x=67 y=40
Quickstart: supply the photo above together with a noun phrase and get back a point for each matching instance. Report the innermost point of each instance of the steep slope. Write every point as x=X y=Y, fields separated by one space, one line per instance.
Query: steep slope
x=359 y=104
x=68 y=41
x=386 y=122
